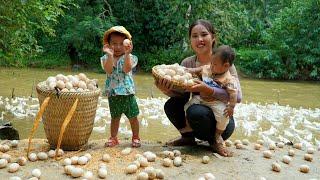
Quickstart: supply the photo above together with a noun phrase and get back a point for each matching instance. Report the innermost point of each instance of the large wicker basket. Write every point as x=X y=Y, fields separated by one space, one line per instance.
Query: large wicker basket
x=80 y=127
x=176 y=85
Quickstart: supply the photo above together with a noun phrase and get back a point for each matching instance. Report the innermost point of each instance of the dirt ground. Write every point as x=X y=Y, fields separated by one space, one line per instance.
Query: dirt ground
x=245 y=164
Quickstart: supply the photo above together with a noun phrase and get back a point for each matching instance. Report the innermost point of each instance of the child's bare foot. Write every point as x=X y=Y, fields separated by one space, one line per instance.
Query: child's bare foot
x=221 y=149
x=136 y=142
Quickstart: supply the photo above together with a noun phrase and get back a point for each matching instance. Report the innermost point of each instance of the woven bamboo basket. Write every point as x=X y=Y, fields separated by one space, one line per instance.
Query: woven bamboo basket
x=176 y=85
x=80 y=127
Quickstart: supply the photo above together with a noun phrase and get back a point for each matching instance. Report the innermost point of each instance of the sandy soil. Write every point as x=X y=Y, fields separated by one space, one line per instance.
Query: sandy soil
x=245 y=164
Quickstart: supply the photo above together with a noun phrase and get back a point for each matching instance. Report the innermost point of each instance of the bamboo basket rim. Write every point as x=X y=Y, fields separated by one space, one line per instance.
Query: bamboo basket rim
x=53 y=92
x=176 y=84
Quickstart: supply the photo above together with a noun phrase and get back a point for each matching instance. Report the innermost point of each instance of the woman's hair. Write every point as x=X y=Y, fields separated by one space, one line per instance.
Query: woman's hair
x=207 y=25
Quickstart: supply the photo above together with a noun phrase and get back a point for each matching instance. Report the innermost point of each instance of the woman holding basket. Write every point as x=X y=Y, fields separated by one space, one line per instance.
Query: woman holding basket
x=200 y=117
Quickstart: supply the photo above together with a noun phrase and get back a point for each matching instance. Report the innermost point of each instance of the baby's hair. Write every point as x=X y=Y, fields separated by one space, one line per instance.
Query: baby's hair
x=105 y=41
x=226 y=54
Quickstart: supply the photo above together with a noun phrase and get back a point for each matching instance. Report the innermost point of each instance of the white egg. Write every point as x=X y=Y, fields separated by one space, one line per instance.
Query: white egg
x=201 y=178
x=137 y=163
x=180 y=71
x=257 y=146
x=106 y=158
x=132 y=168
x=237 y=142
x=209 y=176
x=168 y=77
x=189 y=82
x=22 y=161
x=59 y=77
x=240 y=146
x=143 y=162
x=14 y=167
x=88 y=155
x=126 y=42
x=74 y=160
x=51 y=153
x=3 y=163
x=68 y=169
x=4 y=148
x=91 y=87
x=70 y=77
x=102 y=173
x=82 y=160
x=151 y=157
x=60 y=152
x=137 y=156
x=14 y=143
x=126 y=151
x=72 y=90
x=170 y=72
x=286 y=159
x=15 y=178
x=76 y=172
x=103 y=165
x=267 y=154
x=304 y=168
x=159 y=174
x=291 y=152
x=171 y=155
x=311 y=150
x=6 y=157
x=67 y=161
x=276 y=167
x=298 y=146
x=245 y=142
x=308 y=157
x=75 y=83
x=42 y=156
x=82 y=85
x=52 y=85
x=272 y=146
x=142 y=176
x=166 y=162
x=161 y=72
x=188 y=75
x=280 y=145
x=177 y=161
x=176 y=153
x=69 y=85
x=205 y=159
x=228 y=143
x=151 y=172
x=82 y=76
x=61 y=84
x=32 y=157
x=261 y=142
x=88 y=175
x=36 y=173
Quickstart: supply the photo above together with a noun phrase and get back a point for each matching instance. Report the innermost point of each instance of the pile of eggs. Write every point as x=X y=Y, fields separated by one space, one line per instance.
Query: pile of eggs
x=70 y=83
x=175 y=72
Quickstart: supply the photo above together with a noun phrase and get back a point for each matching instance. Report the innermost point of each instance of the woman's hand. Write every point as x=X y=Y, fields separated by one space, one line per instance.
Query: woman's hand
x=107 y=49
x=205 y=91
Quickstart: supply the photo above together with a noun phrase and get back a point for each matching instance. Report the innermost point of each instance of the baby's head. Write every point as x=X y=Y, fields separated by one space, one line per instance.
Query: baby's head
x=115 y=37
x=222 y=59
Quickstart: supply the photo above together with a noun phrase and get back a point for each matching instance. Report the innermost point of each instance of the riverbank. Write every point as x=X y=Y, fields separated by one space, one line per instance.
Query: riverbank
x=246 y=163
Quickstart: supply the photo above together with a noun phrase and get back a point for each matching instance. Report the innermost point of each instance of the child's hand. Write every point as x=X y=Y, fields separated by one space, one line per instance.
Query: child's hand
x=107 y=49
x=127 y=44
x=228 y=112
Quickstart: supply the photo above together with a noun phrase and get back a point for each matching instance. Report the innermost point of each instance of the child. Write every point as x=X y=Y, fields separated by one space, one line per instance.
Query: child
x=118 y=63
x=217 y=75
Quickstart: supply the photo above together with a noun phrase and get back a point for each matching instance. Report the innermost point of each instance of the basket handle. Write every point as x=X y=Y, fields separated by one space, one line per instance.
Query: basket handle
x=36 y=121
x=65 y=123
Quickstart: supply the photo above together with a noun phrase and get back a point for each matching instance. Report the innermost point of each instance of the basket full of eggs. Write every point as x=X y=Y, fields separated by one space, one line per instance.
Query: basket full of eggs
x=63 y=92
x=177 y=75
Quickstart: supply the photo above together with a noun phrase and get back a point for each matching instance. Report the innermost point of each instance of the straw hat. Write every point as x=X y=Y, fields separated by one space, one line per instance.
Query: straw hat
x=119 y=29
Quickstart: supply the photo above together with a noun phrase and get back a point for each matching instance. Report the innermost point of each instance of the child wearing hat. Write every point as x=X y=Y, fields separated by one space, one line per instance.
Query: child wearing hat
x=118 y=63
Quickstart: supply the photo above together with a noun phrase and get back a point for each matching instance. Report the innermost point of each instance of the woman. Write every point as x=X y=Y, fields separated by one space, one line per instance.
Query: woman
x=200 y=117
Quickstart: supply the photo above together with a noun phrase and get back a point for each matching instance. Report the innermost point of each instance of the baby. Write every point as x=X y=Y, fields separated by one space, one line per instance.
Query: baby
x=217 y=75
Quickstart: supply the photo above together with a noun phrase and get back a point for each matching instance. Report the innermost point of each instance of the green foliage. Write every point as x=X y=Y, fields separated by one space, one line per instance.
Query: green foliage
x=20 y=21
x=295 y=35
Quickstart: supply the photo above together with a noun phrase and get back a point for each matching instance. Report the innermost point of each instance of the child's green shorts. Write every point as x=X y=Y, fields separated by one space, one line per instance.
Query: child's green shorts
x=126 y=104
